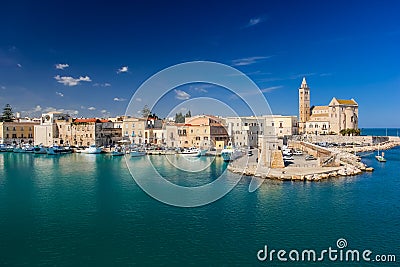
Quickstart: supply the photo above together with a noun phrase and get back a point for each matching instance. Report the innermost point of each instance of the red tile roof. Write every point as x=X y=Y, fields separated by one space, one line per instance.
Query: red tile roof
x=91 y=120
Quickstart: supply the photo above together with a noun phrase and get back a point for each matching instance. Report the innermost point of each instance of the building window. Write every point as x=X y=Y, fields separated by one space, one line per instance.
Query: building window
x=14 y=129
x=14 y=135
x=7 y=136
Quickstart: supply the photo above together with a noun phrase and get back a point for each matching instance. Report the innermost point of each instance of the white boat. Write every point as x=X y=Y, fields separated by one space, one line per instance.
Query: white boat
x=137 y=153
x=118 y=151
x=380 y=158
x=24 y=148
x=230 y=153
x=190 y=152
x=57 y=150
x=3 y=148
x=93 y=149
x=40 y=149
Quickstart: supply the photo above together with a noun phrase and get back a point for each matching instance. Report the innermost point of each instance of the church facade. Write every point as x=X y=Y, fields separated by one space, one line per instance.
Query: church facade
x=339 y=114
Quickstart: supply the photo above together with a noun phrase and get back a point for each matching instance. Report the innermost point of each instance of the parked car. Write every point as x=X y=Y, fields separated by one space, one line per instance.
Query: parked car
x=310 y=157
x=288 y=158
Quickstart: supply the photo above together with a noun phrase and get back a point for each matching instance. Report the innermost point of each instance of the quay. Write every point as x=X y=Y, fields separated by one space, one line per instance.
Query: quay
x=330 y=162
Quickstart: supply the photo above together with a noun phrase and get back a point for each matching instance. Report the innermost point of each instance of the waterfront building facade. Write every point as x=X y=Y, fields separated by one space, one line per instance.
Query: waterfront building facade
x=59 y=128
x=17 y=132
x=245 y=131
x=133 y=129
x=202 y=131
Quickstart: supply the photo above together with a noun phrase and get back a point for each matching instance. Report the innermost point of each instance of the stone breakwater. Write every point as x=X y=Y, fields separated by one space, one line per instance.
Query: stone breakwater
x=350 y=164
x=382 y=146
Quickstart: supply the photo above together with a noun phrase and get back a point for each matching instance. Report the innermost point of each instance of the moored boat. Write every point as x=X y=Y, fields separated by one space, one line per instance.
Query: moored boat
x=40 y=149
x=230 y=153
x=93 y=149
x=137 y=153
x=118 y=151
x=23 y=148
x=57 y=150
x=190 y=152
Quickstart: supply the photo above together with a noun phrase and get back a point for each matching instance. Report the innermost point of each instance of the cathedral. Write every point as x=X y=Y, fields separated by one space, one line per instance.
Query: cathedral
x=340 y=114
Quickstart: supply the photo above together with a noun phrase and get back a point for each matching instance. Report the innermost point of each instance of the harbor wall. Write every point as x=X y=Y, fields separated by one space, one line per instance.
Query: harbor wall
x=362 y=140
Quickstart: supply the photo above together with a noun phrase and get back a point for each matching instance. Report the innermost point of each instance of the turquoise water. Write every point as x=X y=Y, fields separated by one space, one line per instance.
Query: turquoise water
x=86 y=210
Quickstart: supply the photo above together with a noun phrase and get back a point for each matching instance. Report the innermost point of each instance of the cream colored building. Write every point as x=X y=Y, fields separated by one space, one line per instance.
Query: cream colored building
x=282 y=125
x=58 y=128
x=17 y=132
x=133 y=129
x=47 y=133
x=202 y=131
x=245 y=131
x=340 y=114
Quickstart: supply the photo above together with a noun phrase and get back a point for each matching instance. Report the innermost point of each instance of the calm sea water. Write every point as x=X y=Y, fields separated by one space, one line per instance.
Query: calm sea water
x=86 y=210
x=381 y=131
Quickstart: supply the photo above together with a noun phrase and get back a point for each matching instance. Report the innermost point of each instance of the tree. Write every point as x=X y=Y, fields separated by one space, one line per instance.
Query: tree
x=7 y=115
x=188 y=114
x=146 y=111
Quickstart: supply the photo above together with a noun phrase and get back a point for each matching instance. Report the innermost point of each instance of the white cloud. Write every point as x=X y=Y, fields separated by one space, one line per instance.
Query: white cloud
x=70 y=81
x=91 y=108
x=103 y=111
x=19 y=65
x=202 y=88
x=138 y=99
x=248 y=60
x=122 y=69
x=270 y=89
x=119 y=99
x=68 y=111
x=102 y=84
x=59 y=94
x=3 y=87
x=181 y=95
x=61 y=66
x=37 y=108
x=255 y=21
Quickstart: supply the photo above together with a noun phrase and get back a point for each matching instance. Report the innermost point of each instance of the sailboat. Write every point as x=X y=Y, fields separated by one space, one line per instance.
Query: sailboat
x=380 y=158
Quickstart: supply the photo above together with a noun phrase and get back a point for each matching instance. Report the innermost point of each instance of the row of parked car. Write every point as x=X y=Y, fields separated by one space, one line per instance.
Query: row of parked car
x=288 y=154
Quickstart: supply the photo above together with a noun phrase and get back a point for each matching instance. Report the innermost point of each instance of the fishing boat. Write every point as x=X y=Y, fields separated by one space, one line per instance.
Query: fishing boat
x=118 y=151
x=137 y=153
x=230 y=153
x=40 y=149
x=380 y=158
x=23 y=148
x=58 y=150
x=93 y=149
x=190 y=152
x=3 y=148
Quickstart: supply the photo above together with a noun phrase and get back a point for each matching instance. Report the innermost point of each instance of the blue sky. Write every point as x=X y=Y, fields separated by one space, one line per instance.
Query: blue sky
x=346 y=49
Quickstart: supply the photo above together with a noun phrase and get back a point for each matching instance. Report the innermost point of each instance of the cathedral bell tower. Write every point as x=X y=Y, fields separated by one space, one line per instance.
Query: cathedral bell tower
x=304 y=105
